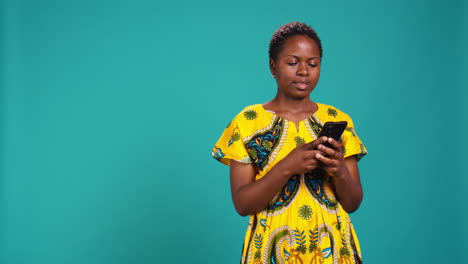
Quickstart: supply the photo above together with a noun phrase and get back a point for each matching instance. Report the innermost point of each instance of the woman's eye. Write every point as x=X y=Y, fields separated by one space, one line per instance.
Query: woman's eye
x=312 y=65
x=292 y=63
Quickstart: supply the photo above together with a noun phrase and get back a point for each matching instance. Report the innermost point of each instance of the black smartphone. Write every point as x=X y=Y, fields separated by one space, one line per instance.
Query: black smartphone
x=333 y=130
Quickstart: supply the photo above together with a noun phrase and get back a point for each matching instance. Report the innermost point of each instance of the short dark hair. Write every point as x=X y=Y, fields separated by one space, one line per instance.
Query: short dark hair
x=288 y=30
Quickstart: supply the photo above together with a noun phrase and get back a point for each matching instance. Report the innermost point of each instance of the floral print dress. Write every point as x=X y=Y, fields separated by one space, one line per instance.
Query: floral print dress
x=304 y=223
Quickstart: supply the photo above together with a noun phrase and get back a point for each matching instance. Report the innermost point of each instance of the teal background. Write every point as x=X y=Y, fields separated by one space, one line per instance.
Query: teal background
x=110 y=109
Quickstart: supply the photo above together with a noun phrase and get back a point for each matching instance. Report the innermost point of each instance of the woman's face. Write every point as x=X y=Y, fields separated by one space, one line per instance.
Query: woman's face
x=297 y=67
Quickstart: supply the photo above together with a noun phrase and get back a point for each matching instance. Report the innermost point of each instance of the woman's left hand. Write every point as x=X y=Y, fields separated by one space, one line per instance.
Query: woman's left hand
x=333 y=161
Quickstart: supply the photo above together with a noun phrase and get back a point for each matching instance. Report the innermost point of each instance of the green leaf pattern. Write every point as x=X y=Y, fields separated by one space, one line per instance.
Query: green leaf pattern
x=305 y=212
x=332 y=112
x=299 y=140
x=250 y=114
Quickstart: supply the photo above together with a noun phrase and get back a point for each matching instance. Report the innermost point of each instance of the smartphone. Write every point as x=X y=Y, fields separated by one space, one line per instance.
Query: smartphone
x=333 y=130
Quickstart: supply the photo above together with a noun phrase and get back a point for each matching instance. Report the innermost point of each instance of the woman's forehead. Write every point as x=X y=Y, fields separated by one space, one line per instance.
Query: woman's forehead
x=300 y=44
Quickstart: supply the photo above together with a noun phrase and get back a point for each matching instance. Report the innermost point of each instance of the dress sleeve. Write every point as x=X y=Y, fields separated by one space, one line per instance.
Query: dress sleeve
x=230 y=146
x=352 y=145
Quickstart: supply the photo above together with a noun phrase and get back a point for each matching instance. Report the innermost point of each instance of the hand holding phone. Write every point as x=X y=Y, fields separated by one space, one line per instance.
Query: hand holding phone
x=333 y=130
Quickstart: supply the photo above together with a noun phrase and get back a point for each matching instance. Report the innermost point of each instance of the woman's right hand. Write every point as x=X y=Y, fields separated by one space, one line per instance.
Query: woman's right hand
x=302 y=159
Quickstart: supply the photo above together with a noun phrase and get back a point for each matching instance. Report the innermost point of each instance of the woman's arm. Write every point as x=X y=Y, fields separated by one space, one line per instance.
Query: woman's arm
x=250 y=196
x=345 y=173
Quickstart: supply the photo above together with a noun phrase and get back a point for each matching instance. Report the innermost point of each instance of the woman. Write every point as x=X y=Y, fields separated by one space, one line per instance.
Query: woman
x=298 y=194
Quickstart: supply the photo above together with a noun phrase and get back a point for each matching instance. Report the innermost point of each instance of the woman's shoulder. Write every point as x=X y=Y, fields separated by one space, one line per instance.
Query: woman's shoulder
x=254 y=107
x=251 y=112
x=252 y=118
x=331 y=113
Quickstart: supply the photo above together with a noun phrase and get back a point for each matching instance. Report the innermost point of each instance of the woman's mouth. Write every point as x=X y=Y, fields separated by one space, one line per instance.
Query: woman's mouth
x=301 y=85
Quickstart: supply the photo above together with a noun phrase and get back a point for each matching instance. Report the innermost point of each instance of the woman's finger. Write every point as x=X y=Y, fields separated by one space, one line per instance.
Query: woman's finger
x=325 y=160
x=314 y=144
x=328 y=151
x=311 y=154
x=335 y=144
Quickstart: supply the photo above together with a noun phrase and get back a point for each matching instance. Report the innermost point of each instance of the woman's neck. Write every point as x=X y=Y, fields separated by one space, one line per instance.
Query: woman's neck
x=280 y=104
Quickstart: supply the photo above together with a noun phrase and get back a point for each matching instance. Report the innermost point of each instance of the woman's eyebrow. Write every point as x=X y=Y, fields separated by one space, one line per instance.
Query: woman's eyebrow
x=296 y=57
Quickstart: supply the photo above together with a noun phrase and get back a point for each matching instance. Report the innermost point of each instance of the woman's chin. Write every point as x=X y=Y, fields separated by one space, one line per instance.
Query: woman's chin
x=301 y=94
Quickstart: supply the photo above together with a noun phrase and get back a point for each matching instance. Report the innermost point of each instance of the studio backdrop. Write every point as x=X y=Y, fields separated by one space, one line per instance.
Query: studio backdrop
x=109 y=111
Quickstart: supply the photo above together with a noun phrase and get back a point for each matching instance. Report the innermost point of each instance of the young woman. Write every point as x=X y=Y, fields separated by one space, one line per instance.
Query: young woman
x=297 y=191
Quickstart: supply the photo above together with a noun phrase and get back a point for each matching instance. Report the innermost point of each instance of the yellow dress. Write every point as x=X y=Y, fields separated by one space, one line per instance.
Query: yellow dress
x=304 y=223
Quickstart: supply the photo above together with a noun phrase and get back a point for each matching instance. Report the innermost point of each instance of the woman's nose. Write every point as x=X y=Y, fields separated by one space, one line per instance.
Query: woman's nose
x=302 y=70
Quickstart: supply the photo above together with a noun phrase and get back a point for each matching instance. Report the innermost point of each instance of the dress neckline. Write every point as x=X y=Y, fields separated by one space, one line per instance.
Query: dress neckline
x=274 y=113
x=297 y=125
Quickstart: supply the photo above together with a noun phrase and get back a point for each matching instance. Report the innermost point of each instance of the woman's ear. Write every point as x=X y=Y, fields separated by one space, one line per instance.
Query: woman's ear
x=272 y=68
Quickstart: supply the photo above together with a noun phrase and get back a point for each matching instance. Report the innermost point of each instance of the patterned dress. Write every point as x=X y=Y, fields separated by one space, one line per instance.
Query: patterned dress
x=304 y=223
